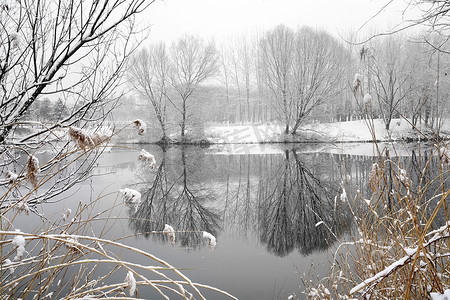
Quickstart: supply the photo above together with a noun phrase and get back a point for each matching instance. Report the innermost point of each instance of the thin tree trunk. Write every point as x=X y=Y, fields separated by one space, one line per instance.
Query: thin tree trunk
x=286 y=130
x=183 y=120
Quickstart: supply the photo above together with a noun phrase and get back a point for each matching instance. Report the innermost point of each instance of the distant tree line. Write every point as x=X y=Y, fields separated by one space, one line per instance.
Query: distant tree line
x=292 y=77
x=45 y=110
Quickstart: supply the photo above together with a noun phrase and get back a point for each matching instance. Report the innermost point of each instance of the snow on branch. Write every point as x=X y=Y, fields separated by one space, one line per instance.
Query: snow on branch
x=367 y=100
x=66 y=214
x=343 y=196
x=19 y=242
x=441 y=233
x=71 y=244
x=20 y=206
x=439 y=296
x=85 y=140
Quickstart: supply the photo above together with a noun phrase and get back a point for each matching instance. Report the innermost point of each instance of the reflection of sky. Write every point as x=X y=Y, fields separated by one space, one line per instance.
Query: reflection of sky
x=245 y=270
x=239 y=265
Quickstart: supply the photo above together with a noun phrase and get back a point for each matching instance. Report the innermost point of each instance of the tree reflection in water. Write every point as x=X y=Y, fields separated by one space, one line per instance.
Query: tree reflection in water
x=172 y=197
x=297 y=210
x=285 y=201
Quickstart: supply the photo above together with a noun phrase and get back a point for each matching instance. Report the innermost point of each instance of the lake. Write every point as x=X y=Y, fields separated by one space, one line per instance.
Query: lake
x=275 y=209
x=262 y=202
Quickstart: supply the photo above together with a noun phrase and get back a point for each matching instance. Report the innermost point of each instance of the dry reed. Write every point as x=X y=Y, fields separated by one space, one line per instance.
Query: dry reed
x=64 y=260
x=400 y=245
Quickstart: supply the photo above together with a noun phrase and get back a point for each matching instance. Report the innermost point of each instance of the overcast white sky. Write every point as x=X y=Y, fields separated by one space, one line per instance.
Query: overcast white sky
x=223 y=18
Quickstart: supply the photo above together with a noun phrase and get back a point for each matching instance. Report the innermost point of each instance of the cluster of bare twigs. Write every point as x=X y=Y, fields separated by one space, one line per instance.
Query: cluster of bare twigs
x=74 y=53
x=63 y=259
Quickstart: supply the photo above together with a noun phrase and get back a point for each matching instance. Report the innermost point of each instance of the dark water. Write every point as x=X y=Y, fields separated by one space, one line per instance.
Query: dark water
x=275 y=212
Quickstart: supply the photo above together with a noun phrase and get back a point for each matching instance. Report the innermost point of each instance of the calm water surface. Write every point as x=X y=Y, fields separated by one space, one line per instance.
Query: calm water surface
x=275 y=211
x=263 y=209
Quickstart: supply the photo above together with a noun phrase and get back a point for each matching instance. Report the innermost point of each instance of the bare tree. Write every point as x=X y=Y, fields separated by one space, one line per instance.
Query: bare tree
x=317 y=71
x=302 y=70
x=175 y=198
x=235 y=74
x=435 y=18
x=420 y=83
x=246 y=68
x=277 y=48
x=42 y=42
x=193 y=62
x=434 y=14
x=149 y=74
x=225 y=77
x=240 y=58
x=292 y=203
x=438 y=61
x=389 y=76
x=69 y=50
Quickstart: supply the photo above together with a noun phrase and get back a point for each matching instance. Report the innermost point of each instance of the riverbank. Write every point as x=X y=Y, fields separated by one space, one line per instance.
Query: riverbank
x=351 y=131
x=339 y=132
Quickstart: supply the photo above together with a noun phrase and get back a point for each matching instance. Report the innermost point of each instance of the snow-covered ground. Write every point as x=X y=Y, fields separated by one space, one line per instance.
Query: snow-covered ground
x=351 y=131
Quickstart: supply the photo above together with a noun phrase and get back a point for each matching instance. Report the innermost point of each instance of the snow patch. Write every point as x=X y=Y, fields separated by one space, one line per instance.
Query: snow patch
x=319 y=223
x=439 y=296
x=19 y=242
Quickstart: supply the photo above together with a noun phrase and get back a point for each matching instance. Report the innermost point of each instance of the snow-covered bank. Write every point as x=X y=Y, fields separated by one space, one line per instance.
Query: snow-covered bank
x=351 y=131
x=338 y=132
